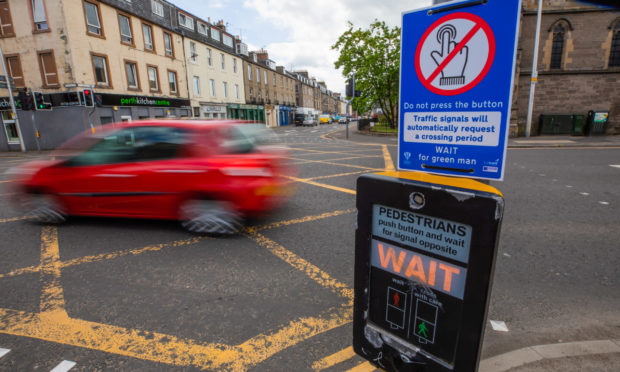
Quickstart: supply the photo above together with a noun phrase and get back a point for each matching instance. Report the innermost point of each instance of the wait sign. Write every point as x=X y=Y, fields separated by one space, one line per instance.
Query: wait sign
x=425 y=248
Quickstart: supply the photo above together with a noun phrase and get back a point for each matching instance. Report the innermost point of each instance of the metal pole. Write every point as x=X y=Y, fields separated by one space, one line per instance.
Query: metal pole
x=12 y=101
x=534 y=79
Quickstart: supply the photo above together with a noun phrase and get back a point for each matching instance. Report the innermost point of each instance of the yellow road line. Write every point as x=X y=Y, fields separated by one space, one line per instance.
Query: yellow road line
x=52 y=296
x=389 y=164
x=335 y=188
x=331 y=360
x=335 y=175
x=13 y=219
x=303 y=219
x=364 y=367
x=338 y=164
x=295 y=161
x=312 y=271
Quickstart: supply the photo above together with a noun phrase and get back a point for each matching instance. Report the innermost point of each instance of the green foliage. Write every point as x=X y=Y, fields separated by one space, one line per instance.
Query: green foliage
x=373 y=56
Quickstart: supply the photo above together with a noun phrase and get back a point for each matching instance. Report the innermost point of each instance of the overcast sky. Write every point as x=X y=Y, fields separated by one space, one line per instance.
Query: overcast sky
x=299 y=34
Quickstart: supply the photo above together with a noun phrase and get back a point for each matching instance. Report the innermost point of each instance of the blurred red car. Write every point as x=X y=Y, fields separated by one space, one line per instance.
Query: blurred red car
x=208 y=174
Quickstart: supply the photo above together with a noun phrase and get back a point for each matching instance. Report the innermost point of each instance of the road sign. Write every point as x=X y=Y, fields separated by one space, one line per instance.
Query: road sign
x=457 y=73
x=421 y=290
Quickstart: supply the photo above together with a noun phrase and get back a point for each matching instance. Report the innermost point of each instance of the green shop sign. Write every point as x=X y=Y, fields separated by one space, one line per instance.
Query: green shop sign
x=142 y=101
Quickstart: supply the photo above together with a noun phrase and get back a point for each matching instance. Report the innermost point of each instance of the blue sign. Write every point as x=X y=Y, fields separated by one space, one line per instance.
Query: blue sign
x=457 y=72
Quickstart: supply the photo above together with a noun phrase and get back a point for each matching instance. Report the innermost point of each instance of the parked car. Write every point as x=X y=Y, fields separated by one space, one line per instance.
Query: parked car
x=208 y=174
x=324 y=119
x=342 y=120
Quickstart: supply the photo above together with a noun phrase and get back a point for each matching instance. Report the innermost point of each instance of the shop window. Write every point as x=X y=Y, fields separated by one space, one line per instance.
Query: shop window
x=14 y=65
x=10 y=128
x=557 y=48
x=101 y=69
x=93 y=21
x=153 y=75
x=6 y=22
x=196 y=112
x=125 y=28
x=47 y=65
x=39 y=18
x=614 y=55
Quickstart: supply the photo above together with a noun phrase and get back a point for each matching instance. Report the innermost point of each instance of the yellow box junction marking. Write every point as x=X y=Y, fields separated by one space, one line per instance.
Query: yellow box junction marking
x=54 y=325
x=331 y=360
x=389 y=164
x=364 y=367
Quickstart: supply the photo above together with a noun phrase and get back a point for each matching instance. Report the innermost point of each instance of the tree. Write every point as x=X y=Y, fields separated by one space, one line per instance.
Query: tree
x=373 y=56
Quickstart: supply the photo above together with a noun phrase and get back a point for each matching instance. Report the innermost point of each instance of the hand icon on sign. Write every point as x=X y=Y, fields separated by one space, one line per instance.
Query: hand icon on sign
x=453 y=72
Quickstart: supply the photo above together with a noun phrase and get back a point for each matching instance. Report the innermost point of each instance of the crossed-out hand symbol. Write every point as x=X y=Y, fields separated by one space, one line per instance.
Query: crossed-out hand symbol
x=453 y=72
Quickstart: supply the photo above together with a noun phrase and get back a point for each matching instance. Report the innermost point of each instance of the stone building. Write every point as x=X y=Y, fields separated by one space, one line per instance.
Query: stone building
x=578 y=63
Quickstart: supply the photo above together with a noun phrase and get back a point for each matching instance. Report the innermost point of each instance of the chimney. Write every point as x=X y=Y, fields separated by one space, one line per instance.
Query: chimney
x=262 y=55
x=221 y=25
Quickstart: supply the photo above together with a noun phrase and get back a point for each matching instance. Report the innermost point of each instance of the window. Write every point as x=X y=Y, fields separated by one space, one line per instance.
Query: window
x=186 y=21
x=215 y=34
x=14 y=66
x=257 y=75
x=131 y=69
x=260 y=95
x=196 y=112
x=168 y=44
x=223 y=61
x=235 y=65
x=266 y=80
x=209 y=60
x=10 y=128
x=157 y=7
x=212 y=85
x=47 y=65
x=192 y=51
x=153 y=78
x=93 y=23
x=251 y=93
x=225 y=88
x=125 y=26
x=614 y=55
x=202 y=28
x=197 y=85
x=172 y=80
x=274 y=80
x=228 y=40
x=249 y=72
x=100 y=66
x=147 y=30
x=557 y=48
x=281 y=81
x=6 y=22
x=39 y=18
x=237 y=91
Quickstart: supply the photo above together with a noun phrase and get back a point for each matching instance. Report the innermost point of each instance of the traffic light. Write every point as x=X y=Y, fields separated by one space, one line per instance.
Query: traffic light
x=349 y=88
x=40 y=103
x=88 y=98
x=25 y=100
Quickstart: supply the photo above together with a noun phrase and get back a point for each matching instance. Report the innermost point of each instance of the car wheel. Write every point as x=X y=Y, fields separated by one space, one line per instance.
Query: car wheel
x=205 y=216
x=44 y=208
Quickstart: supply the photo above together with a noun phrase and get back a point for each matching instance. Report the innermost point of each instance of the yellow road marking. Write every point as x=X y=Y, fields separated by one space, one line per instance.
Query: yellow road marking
x=389 y=164
x=364 y=367
x=52 y=296
x=13 y=219
x=306 y=161
x=312 y=271
x=335 y=175
x=336 y=188
x=303 y=219
x=338 y=164
x=334 y=359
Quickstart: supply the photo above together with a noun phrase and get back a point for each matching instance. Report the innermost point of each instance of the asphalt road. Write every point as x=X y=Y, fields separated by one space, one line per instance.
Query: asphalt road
x=114 y=294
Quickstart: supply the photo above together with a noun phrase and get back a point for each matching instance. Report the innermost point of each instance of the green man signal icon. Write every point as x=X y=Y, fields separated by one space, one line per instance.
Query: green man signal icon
x=422 y=330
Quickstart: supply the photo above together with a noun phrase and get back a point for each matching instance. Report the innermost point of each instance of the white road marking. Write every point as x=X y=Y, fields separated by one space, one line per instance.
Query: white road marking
x=546 y=141
x=507 y=255
x=584 y=193
x=615 y=165
x=542 y=175
x=569 y=186
x=4 y=352
x=603 y=203
x=499 y=326
x=64 y=366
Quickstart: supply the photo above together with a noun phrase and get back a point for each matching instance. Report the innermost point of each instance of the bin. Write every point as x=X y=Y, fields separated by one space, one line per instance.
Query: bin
x=597 y=123
x=555 y=124
x=579 y=123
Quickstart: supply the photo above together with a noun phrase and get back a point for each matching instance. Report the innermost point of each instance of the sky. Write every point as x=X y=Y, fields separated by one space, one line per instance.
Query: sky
x=299 y=34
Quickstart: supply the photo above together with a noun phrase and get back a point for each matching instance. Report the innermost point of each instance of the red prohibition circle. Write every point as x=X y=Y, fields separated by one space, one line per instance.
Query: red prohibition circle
x=490 y=37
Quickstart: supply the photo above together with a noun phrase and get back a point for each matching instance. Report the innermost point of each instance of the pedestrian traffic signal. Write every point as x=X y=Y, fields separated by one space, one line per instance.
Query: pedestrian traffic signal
x=88 y=98
x=40 y=103
x=25 y=100
x=349 y=89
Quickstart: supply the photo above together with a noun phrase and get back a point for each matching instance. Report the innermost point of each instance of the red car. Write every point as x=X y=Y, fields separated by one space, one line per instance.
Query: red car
x=208 y=174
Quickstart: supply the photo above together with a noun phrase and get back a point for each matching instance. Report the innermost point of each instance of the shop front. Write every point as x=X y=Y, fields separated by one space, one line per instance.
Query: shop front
x=285 y=115
x=213 y=110
x=254 y=113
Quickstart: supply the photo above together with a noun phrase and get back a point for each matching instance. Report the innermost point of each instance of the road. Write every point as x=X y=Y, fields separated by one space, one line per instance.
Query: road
x=143 y=295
